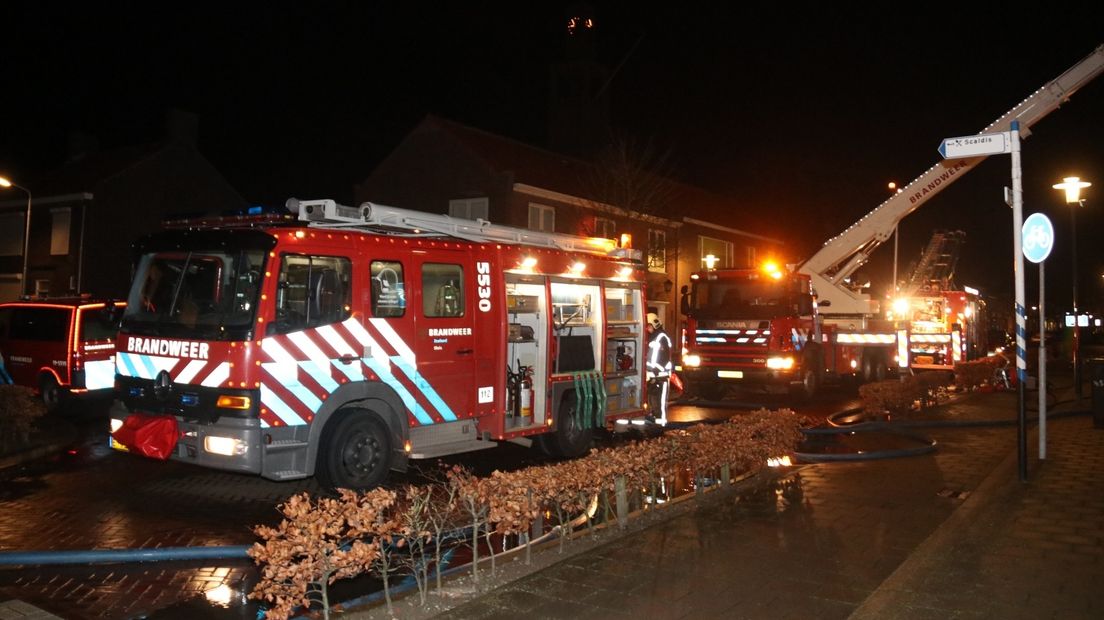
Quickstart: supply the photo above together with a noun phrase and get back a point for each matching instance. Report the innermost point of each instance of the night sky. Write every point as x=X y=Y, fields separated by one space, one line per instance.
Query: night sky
x=800 y=116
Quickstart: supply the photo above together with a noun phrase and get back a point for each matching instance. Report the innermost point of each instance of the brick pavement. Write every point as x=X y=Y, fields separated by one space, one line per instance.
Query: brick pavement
x=953 y=534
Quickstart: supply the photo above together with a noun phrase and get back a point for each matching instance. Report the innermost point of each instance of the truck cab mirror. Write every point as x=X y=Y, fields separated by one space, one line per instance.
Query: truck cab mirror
x=684 y=302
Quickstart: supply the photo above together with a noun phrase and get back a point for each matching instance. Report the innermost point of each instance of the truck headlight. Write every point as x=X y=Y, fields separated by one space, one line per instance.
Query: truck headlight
x=780 y=363
x=226 y=446
x=692 y=361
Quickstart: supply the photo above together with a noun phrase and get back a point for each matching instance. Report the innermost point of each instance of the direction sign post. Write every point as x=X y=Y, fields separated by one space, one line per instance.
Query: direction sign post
x=980 y=144
x=1037 y=241
x=994 y=144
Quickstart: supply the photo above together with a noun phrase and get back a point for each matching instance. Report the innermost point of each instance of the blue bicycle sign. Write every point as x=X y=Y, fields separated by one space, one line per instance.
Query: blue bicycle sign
x=1037 y=237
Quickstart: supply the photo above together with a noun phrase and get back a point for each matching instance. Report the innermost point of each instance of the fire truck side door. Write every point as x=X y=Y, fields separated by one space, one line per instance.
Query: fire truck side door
x=444 y=341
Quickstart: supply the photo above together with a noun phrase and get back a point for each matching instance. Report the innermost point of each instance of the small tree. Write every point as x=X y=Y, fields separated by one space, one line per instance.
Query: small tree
x=319 y=541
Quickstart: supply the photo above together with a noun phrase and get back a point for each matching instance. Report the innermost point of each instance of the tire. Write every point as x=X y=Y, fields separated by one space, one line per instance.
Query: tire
x=873 y=368
x=50 y=393
x=568 y=441
x=810 y=379
x=355 y=451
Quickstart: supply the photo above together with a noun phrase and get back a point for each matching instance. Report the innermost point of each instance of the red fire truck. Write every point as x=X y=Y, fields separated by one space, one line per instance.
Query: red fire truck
x=763 y=327
x=773 y=332
x=347 y=340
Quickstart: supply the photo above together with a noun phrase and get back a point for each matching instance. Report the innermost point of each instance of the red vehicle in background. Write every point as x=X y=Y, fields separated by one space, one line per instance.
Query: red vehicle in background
x=60 y=347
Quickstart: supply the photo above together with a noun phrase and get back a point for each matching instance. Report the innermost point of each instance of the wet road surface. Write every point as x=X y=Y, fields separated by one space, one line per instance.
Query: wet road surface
x=91 y=497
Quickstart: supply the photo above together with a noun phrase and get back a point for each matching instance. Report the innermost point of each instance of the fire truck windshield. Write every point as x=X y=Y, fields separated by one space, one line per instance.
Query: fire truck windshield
x=200 y=294
x=761 y=298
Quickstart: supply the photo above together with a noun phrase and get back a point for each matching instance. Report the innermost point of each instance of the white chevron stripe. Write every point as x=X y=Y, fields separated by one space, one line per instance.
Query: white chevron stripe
x=366 y=340
x=275 y=405
x=395 y=340
x=218 y=376
x=276 y=352
x=306 y=345
x=190 y=371
x=330 y=335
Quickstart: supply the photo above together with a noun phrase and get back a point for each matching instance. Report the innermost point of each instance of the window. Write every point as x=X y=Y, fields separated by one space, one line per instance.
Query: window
x=442 y=290
x=542 y=218
x=59 y=233
x=97 y=324
x=469 y=208
x=605 y=228
x=312 y=291
x=42 y=324
x=11 y=234
x=388 y=293
x=657 y=250
x=720 y=249
x=752 y=256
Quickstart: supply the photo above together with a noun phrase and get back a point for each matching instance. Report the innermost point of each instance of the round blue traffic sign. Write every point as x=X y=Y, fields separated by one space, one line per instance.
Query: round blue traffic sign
x=1037 y=237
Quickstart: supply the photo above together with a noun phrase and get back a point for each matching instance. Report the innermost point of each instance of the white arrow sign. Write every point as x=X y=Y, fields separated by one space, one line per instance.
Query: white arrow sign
x=972 y=146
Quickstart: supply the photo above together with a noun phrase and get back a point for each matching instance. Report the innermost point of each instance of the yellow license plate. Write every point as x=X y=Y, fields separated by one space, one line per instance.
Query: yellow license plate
x=730 y=374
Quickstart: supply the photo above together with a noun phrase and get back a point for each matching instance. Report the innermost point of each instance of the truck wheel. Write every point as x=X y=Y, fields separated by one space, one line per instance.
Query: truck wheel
x=569 y=440
x=355 y=451
x=50 y=393
x=810 y=380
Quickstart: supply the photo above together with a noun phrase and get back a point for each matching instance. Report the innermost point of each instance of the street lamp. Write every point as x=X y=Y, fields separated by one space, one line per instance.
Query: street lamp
x=4 y=182
x=1072 y=187
x=894 y=190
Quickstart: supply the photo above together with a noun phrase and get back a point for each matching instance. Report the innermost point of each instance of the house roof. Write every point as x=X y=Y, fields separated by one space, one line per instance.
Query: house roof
x=548 y=170
x=86 y=173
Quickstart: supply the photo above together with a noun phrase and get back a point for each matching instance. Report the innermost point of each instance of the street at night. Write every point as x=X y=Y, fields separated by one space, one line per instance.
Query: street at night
x=593 y=310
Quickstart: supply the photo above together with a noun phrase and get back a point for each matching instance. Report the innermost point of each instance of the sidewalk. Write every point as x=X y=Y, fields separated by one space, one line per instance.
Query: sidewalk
x=953 y=534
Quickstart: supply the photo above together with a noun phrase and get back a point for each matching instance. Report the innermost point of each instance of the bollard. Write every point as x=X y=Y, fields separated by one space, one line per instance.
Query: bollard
x=622 y=502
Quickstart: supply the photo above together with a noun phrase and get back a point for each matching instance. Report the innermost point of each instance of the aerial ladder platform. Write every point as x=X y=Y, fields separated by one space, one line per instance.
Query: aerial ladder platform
x=831 y=267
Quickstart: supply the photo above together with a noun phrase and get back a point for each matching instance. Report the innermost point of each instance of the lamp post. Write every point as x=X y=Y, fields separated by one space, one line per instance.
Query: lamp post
x=894 y=190
x=4 y=182
x=1072 y=187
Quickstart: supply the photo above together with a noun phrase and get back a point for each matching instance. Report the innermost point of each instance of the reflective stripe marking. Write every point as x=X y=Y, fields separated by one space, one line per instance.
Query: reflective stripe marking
x=330 y=335
x=380 y=364
x=190 y=371
x=286 y=374
x=99 y=374
x=427 y=390
x=936 y=338
x=383 y=371
x=143 y=366
x=866 y=338
x=321 y=374
x=218 y=376
x=277 y=406
x=395 y=341
x=312 y=351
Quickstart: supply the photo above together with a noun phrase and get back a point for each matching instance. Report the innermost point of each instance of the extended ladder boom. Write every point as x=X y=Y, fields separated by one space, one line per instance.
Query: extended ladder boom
x=329 y=214
x=841 y=255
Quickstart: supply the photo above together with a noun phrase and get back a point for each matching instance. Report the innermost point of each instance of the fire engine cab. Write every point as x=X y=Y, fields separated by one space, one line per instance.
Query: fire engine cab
x=340 y=342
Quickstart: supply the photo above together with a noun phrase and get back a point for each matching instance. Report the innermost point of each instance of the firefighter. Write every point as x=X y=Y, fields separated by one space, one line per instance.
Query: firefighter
x=658 y=370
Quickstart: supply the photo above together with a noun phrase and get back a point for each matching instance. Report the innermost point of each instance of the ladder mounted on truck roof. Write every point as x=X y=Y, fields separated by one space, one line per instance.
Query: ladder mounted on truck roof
x=937 y=264
x=379 y=218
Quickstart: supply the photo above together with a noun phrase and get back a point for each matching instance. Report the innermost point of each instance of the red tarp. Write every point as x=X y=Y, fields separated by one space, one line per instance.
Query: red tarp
x=149 y=435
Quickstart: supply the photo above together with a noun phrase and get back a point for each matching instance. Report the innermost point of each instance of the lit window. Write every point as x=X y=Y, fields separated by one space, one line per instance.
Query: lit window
x=657 y=250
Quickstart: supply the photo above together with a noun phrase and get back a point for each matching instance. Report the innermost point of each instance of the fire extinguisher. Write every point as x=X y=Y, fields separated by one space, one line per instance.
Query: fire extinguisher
x=526 y=395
